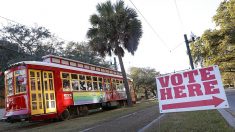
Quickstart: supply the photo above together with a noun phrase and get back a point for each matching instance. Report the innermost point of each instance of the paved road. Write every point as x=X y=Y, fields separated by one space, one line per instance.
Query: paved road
x=128 y=123
x=231 y=98
x=229 y=113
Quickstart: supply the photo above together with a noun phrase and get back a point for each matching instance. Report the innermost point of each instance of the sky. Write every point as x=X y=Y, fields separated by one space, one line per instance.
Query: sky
x=162 y=44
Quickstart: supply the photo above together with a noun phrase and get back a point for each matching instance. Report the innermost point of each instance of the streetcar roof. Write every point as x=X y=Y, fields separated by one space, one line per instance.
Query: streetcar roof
x=64 y=67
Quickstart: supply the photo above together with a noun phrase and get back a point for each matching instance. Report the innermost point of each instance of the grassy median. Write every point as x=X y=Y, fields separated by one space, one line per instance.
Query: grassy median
x=196 y=121
x=91 y=120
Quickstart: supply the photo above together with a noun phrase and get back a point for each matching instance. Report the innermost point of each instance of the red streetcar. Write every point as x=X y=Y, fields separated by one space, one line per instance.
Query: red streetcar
x=58 y=88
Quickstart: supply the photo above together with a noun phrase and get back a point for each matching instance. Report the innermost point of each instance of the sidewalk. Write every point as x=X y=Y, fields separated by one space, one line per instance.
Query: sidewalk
x=229 y=116
x=229 y=113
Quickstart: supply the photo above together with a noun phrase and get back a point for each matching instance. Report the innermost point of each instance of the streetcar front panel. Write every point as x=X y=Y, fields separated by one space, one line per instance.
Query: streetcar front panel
x=16 y=93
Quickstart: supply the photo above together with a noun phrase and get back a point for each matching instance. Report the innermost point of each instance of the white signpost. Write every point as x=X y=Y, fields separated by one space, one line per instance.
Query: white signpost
x=199 y=89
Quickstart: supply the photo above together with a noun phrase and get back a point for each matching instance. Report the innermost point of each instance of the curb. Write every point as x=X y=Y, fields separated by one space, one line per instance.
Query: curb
x=228 y=117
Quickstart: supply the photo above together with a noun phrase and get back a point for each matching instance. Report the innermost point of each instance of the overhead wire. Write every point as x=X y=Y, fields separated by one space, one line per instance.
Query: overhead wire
x=151 y=27
x=179 y=16
x=29 y=26
x=181 y=25
x=10 y=20
x=176 y=47
x=3 y=47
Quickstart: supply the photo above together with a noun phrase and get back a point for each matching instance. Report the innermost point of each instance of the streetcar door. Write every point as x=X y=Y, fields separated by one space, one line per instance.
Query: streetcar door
x=49 y=92
x=42 y=92
x=36 y=96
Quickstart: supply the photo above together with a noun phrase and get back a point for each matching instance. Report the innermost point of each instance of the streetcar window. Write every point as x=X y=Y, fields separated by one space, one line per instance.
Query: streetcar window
x=88 y=78
x=95 y=83
x=94 y=78
x=120 y=86
x=47 y=97
x=39 y=83
x=45 y=75
x=82 y=85
x=100 y=79
x=38 y=74
x=89 y=83
x=50 y=75
x=45 y=85
x=74 y=81
x=81 y=77
x=74 y=76
x=40 y=105
x=66 y=85
x=47 y=103
x=33 y=85
x=39 y=97
x=65 y=75
x=75 y=85
x=9 y=83
x=100 y=83
x=113 y=84
x=32 y=74
x=20 y=81
x=51 y=84
x=34 y=97
x=107 y=84
x=34 y=105
x=82 y=82
x=55 y=60
x=65 y=62
x=52 y=96
x=52 y=104
x=66 y=81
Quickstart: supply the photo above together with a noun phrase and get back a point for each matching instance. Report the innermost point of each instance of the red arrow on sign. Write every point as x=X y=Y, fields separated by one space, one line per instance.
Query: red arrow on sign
x=214 y=101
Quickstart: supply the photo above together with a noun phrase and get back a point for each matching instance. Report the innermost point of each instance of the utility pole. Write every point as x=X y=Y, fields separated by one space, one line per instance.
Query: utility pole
x=188 y=50
x=115 y=63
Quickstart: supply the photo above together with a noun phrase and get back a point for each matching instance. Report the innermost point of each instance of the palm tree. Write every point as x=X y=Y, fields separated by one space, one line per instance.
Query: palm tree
x=115 y=28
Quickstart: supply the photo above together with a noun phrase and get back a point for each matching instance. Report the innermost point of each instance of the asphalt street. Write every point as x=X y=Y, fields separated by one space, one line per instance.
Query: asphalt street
x=231 y=98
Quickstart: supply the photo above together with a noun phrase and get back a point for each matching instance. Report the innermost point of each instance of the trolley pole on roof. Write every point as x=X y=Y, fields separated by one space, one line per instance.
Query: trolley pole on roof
x=188 y=51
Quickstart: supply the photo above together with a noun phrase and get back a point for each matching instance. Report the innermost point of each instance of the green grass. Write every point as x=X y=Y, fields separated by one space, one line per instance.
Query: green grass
x=94 y=119
x=196 y=121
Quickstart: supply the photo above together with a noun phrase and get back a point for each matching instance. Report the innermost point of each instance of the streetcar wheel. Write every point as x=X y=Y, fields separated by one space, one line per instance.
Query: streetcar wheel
x=65 y=115
x=85 y=110
x=77 y=112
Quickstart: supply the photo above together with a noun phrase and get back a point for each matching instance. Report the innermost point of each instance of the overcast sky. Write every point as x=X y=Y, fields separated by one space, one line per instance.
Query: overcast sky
x=161 y=47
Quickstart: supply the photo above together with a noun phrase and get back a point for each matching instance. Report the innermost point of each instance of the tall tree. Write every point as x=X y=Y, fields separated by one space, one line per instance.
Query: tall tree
x=5 y=57
x=144 y=80
x=83 y=52
x=217 y=46
x=34 y=41
x=115 y=28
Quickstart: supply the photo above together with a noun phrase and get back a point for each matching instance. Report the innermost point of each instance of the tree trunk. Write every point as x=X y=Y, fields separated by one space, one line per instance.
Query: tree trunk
x=146 y=93
x=153 y=92
x=129 y=101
